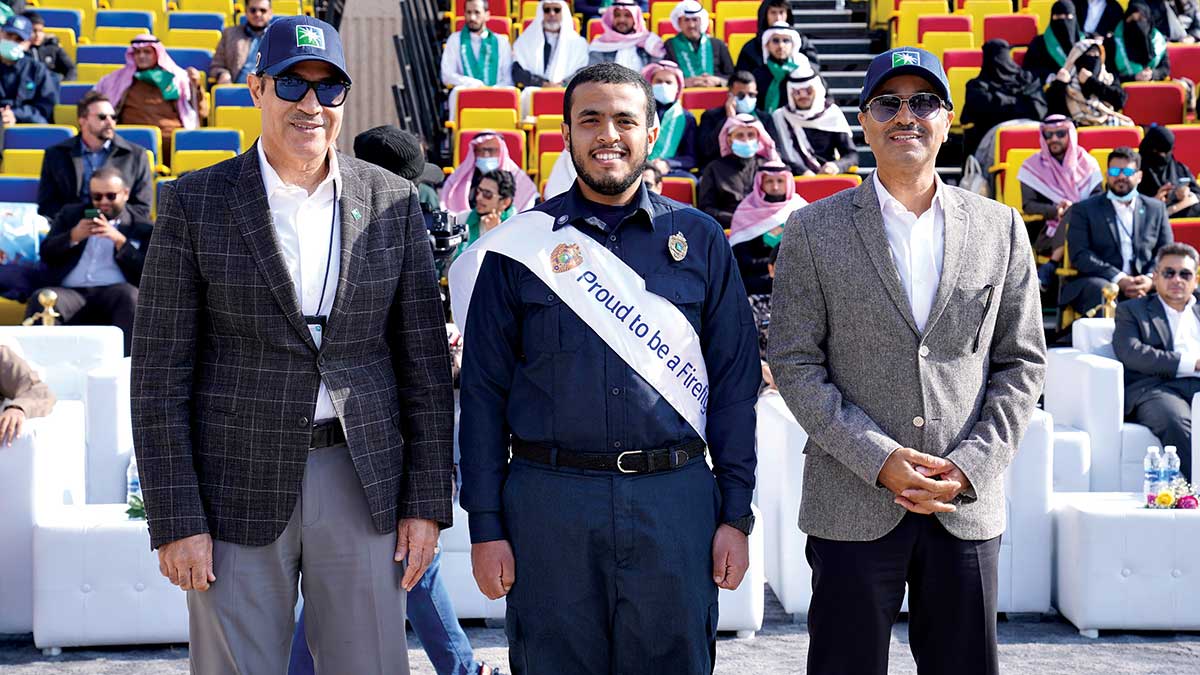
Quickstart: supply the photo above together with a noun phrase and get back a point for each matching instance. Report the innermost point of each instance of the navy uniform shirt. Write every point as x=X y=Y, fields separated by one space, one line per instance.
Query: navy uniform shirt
x=533 y=369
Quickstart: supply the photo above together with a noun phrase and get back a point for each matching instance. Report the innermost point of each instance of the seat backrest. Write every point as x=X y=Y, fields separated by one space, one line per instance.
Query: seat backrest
x=954 y=23
x=489 y=98
x=515 y=140
x=496 y=7
x=1091 y=138
x=703 y=98
x=207 y=139
x=249 y=120
x=1017 y=29
x=550 y=141
x=500 y=25
x=1154 y=102
x=1093 y=336
x=980 y=9
x=1008 y=138
x=183 y=161
x=87 y=12
x=546 y=101
x=1187 y=145
x=594 y=28
x=35 y=136
x=119 y=18
x=232 y=94
x=196 y=21
x=186 y=57
x=111 y=35
x=1185 y=61
x=1012 y=187
x=1041 y=10
x=682 y=190
x=192 y=38
x=222 y=7
x=814 y=188
x=910 y=12
x=18 y=188
x=66 y=39
x=63 y=18
x=962 y=58
x=102 y=54
x=149 y=137
x=22 y=162
x=959 y=77
x=1186 y=231
x=737 y=41
x=546 y=163
x=937 y=42
x=487 y=118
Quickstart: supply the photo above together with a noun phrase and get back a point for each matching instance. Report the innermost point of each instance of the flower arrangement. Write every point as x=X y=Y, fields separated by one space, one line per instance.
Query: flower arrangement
x=1178 y=495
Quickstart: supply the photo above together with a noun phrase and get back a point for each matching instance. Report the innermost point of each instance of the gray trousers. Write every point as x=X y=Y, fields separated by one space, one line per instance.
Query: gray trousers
x=354 y=604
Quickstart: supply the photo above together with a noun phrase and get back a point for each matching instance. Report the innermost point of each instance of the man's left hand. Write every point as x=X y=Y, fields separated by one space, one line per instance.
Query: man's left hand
x=731 y=557
x=7 y=117
x=11 y=421
x=416 y=541
x=830 y=168
x=917 y=501
x=106 y=230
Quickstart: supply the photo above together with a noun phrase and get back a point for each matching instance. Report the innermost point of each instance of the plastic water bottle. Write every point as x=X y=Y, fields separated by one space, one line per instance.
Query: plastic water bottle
x=1170 y=466
x=1152 y=472
x=133 y=484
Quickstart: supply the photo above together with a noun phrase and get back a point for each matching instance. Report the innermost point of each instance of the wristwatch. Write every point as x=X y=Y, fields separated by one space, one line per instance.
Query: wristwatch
x=745 y=524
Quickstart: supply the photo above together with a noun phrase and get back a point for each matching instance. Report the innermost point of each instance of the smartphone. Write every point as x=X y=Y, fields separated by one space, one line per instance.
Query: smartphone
x=91 y=213
x=1184 y=180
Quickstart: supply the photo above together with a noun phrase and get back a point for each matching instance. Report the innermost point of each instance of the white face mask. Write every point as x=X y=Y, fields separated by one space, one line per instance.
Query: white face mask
x=665 y=93
x=11 y=51
x=486 y=164
x=745 y=104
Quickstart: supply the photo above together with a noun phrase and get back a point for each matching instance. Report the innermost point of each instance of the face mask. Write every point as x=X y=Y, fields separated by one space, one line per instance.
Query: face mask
x=486 y=164
x=774 y=199
x=745 y=149
x=745 y=105
x=1124 y=200
x=664 y=93
x=11 y=51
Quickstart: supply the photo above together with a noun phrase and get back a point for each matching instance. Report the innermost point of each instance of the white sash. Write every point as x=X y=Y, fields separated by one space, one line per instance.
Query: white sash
x=647 y=331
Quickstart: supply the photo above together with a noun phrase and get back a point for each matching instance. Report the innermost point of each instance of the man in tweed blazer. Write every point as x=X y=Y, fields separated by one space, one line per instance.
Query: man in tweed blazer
x=292 y=402
x=910 y=348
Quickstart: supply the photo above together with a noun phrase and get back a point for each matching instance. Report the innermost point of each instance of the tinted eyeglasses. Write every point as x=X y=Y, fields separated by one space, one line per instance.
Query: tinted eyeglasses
x=923 y=106
x=1055 y=133
x=485 y=193
x=1169 y=273
x=548 y=9
x=1127 y=171
x=106 y=116
x=257 y=10
x=329 y=94
x=101 y=196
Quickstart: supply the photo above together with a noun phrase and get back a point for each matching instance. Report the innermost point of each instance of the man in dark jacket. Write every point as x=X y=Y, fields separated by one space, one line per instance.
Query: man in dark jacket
x=45 y=49
x=770 y=13
x=743 y=99
x=69 y=165
x=28 y=92
x=94 y=255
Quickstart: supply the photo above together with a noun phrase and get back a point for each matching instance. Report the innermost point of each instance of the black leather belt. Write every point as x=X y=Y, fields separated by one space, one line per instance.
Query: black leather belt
x=630 y=461
x=326 y=435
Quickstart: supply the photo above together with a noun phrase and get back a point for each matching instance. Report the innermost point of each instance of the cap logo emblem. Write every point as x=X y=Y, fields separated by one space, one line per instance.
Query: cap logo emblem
x=310 y=36
x=905 y=59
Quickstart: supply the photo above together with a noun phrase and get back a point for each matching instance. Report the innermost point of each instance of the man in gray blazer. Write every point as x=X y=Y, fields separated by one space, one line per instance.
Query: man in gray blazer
x=292 y=404
x=910 y=347
x=1157 y=337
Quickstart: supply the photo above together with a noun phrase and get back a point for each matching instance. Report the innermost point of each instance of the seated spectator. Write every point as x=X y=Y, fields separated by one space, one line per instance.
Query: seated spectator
x=594 y=9
x=1157 y=339
x=402 y=153
x=45 y=48
x=475 y=56
x=94 y=255
x=493 y=205
x=1165 y=178
x=813 y=132
x=770 y=13
x=1163 y=18
x=1052 y=181
x=625 y=39
x=67 y=167
x=674 y=152
x=237 y=50
x=1136 y=51
x=487 y=152
x=745 y=146
x=780 y=57
x=742 y=100
x=150 y=89
x=1002 y=92
x=1047 y=54
x=550 y=50
x=1098 y=18
x=1187 y=12
x=1114 y=237
x=1085 y=91
x=757 y=225
x=704 y=60
x=652 y=178
x=25 y=392
x=28 y=91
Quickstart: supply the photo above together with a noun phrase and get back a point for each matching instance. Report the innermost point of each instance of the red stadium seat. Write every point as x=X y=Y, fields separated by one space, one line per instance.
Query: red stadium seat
x=515 y=140
x=500 y=25
x=1105 y=138
x=489 y=97
x=703 y=98
x=680 y=189
x=1187 y=145
x=1185 y=61
x=1186 y=231
x=496 y=7
x=594 y=28
x=1018 y=54
x=550 y=141
x=1011 y=138
x=1154 y=102
x=547 y=102
x=962 y=58
x=740 y=26
x=942 y=24
x=1018 y=29
x=812 y=188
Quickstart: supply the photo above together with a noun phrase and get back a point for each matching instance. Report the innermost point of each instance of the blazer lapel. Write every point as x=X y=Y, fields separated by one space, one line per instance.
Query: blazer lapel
x=1110 y=217
x=955 y=240
x=869 y=223
x=252 y=215
x=1139 y=224
x=1158 y=319
x=353 y=217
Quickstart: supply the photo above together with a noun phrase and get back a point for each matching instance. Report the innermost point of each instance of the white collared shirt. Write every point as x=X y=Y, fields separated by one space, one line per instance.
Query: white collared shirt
x=918 y=247
x=1124 y=212
x=97 y=265
x=302 y=223
x=1185 y=332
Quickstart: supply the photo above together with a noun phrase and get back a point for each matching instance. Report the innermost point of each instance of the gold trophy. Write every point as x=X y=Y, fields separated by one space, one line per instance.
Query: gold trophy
x=46 y=299
x=1109 y=306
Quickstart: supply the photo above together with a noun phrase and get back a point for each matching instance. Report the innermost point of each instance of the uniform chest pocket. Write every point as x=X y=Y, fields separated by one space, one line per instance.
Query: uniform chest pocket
x=549 y=325
x=685 y=293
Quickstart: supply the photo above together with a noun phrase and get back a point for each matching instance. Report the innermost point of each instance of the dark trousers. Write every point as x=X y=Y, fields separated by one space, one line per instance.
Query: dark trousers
x=858 y=587
x=1089 y=293
x=613 y=572
x=97 y=306
x=1167 y=410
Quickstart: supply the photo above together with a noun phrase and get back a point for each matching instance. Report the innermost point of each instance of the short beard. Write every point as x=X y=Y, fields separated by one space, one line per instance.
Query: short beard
x=608 y=186
x=1123 y=192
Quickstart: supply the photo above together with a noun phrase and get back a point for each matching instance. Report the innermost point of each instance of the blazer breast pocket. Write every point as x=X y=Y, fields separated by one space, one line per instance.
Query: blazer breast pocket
x=967 y=313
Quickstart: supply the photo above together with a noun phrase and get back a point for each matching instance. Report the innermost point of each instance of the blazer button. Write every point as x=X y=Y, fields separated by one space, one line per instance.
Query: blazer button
x=303 y=422
x=924 y=351
x=918 y=421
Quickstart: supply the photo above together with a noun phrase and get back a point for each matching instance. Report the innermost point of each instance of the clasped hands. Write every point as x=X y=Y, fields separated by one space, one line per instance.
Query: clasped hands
x=923 y=483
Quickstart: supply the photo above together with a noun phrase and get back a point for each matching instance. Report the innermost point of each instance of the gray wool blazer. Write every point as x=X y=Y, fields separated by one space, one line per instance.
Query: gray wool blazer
x=863 y=381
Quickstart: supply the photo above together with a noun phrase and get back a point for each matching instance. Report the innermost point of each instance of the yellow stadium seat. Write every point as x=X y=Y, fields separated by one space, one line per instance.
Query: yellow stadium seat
x=1042 y=10
x=737 y=41
x=904 y=22
x=92 y=72
x=193 y=160
x=26 y=162
x=249 y=120
x=546 y=163
x=1101 y=156
x=733 y=9
x=958 y=90
x=198 y=39
x=156 y=7
x=1012 y=187
x=529 y=9
x=109 y=35
x=484 y=118
x=286 y=7
x=225 y=7
x=66 y=113
x=66 y=40
x=937 y=42
x=155 y=133
x=86 y=7
x=978 y=9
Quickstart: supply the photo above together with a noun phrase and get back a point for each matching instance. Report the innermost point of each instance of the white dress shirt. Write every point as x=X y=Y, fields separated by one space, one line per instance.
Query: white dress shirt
x=452 y=67
x=98 y=264
x=918 y=247
x=1125 y=234
x=1185 y=331
x=302 y=223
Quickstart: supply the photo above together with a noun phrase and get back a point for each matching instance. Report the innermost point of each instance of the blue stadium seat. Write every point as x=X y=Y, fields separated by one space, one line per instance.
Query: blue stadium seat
x=101 y=54
x=229 y=95
x=125 y=19
x=35 y=136
x=200 y=59
x=196 y=21
x=147 y=138
x=207 y=139
x=62 y=18
x=18 y=189
x=69 y=93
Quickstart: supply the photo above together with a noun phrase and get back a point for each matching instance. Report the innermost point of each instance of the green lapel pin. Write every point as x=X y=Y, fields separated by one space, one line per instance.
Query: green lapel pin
x=356 y=214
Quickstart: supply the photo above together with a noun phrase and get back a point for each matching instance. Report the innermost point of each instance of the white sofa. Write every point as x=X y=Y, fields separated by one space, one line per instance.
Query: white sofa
x=46 y=467
x=1085 y=391
x=1025 y=549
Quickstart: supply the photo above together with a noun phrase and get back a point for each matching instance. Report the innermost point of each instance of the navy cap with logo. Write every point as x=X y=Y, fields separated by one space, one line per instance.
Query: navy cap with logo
x=19 y=26
x=292 y=39
x=905 y=61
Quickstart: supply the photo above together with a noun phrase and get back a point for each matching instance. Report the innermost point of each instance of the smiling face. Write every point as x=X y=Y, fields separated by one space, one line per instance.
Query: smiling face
x=299 y=133
x=622 y=20
x=609 y=135
x=109 y=195
x=906 y=141
x=1175 y=290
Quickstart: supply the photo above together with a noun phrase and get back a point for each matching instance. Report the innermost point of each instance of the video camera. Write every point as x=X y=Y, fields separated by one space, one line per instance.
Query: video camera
x=445 y=235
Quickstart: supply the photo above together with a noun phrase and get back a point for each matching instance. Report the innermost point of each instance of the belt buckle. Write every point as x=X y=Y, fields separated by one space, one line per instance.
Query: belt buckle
x=678 y=458
x=622 y=456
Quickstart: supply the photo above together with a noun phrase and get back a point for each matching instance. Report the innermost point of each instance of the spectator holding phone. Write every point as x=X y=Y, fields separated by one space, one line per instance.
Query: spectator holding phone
x=28 y=92
x=1165 y=178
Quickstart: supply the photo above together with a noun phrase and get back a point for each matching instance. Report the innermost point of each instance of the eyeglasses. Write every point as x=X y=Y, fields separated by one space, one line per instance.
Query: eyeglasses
x=777 y=40
x=1127 y=171
x=293 y=89
x=485 y=193
x=101 y=196
x=106 y=116
x=923 y=106
x=552 y=10
x=1169 y=273
x=1055 y=133
x=258 y=10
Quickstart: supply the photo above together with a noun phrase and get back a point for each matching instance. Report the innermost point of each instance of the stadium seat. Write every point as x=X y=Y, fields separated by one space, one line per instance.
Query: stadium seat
x=93 y=72
x=186 y=57
x=737 y=41
x=741 y=25
x=981 y=9
x=1091 y=138
x=501 y=25
x=184 y=140
x=232 y=95
x=682 y=190
x=223 y=7
x=487 y=118
x=1101 y=156
x=962 y=58
x=594 y=28
x=35 y=136
x=1017 y=29
x=661 y=11
x=937 y=42
x=149 y=137
x=156 y=7
x=293 y=8
x=249 y=120
x=1186 y=231
x=1040 y=10
x=1018 y=55
x=496 y=7
x=703 y=98
x=158 y=183
x=525 y=24
x=1009 y=140
x=515 y=140
x=86 y=8
x=813 y=188
x=547 y=101
x=105 y=54
x=1187 y=145
x=488 y=98
x=22 y=162
x=1154 y=102
x=194 y=39
x=184 y=161
x=69 y=94
x=66 y=40
x=18 y=188
x=942 y=23
x=904 y=20
x=1185 y=61
x=109 y=35
x=959 y=77
x=546 y=165
x=1011 y=193
x=733 y=9
x=196 y=21
x=63 y=18
x=118 y=18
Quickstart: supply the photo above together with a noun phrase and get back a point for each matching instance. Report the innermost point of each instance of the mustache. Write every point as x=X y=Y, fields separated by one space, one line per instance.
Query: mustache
x=906 y=128
x=306 y=119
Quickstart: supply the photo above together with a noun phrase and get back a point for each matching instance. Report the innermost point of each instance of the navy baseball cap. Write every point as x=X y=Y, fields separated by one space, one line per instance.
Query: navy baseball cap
x=905 y=61
x=292 y=39
x=19 y=26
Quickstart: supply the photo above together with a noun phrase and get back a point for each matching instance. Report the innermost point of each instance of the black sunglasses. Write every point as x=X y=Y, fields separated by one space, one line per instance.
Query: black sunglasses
x=552 y=10
x=923 y=106
x=105 y=116
x=1169 y=273
x=1055 y=133
x=257 y=10
x=98 y=196
x=329 y=94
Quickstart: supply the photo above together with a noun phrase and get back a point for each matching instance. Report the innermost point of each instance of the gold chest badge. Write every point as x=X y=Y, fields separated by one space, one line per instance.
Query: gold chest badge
x=677 y=246
x=565 y=257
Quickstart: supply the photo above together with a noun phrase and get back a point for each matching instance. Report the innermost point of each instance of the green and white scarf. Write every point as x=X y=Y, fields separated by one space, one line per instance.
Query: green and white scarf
x=1054 y=47
x=162 y=79
x=670 y=132
x=485 y=66
x=779 y=73
x=1127 y=68
x=693 y=60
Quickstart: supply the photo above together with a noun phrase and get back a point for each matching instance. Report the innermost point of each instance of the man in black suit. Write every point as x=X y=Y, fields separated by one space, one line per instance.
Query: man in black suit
x=68 y=166
x=1157 y=338
x=743 y=98
x=94 y=260
x=1114 y=237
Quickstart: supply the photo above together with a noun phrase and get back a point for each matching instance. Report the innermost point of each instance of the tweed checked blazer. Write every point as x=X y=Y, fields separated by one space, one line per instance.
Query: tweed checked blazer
x=863 y=380
x=226 y=373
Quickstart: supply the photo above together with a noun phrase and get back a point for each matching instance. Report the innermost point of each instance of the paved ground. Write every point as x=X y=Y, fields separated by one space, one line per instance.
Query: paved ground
x=1028 y=646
